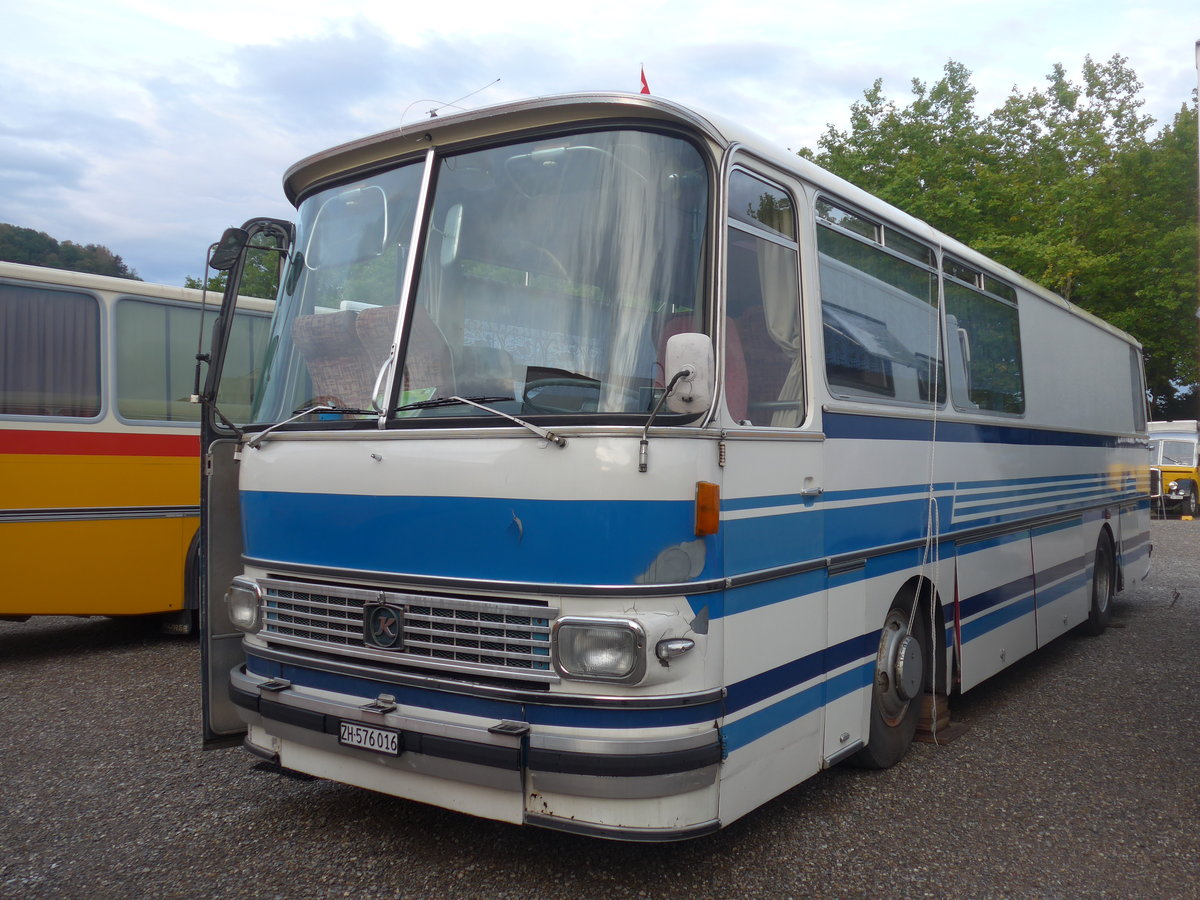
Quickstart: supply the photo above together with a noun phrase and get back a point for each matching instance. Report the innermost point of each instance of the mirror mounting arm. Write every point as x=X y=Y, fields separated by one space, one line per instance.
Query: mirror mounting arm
x=644 y=446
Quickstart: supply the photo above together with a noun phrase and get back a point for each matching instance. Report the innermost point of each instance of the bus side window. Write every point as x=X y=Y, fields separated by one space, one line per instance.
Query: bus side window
x=49 y=352
x=991 y=349
x=879 y=310
x=763 y=305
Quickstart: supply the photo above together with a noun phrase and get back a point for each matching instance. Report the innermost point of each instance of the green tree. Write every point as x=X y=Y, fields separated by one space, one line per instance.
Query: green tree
x=36 y=248
x=260 y=276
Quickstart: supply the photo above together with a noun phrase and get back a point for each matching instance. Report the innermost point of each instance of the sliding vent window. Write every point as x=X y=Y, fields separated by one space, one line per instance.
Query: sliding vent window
x=985 y=342
x=764 y=365
x=879 y=307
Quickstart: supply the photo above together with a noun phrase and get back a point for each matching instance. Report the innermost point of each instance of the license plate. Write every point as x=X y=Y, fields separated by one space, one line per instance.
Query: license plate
x=367 y=737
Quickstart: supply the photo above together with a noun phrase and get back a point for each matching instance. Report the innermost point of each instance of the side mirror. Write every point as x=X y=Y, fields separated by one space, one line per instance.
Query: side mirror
x=225 y=252
x=691 y=353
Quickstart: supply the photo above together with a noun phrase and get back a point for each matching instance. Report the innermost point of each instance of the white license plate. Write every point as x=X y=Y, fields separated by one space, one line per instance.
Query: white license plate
x=366 y=737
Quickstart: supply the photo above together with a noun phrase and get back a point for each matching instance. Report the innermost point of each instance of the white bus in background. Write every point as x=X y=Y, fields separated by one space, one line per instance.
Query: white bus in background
x=614 y=472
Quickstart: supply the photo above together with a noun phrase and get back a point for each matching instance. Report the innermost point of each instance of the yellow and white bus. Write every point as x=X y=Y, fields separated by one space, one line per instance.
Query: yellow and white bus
x=98 y=441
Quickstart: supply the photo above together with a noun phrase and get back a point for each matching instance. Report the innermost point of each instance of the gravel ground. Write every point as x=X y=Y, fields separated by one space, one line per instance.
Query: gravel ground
x=1077 y=777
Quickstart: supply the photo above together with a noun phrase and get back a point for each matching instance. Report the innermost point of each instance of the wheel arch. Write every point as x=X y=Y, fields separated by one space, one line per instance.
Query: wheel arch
x=922 y=588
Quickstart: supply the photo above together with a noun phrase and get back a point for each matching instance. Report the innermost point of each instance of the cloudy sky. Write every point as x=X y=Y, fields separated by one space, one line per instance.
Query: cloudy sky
x=148 y=126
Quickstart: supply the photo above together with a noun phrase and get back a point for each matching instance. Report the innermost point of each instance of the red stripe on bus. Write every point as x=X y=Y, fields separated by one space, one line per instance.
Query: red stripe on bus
x=99 y=443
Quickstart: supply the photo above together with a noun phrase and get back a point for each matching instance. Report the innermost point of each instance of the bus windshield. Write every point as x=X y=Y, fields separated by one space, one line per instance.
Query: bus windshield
x=551 y=275
x=1168 y=452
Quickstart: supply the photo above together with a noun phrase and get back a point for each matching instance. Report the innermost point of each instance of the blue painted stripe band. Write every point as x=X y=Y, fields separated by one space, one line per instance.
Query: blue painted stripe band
x=1048 y=595
x=886 y=428
x=749 y=729
x=993 y=620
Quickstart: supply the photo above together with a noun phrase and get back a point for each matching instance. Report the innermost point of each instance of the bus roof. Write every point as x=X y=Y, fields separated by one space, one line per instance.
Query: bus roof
x=566 y=109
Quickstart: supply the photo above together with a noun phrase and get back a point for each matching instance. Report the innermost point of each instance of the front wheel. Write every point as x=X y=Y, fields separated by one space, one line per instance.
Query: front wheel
x=900 y=676
x=1187 y=506
x=1103 y=583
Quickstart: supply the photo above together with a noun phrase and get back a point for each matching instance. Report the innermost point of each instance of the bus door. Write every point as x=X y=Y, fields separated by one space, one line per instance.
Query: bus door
x=774 y=611
x=255 y=249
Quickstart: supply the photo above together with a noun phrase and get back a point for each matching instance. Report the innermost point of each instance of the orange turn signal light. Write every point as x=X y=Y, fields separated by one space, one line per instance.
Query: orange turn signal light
x=708 y=508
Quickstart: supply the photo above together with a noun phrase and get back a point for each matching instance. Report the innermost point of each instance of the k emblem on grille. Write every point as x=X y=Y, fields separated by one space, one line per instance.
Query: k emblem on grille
x=383 y=625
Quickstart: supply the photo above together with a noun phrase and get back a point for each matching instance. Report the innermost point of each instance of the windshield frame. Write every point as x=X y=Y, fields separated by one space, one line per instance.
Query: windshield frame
x=391 y=413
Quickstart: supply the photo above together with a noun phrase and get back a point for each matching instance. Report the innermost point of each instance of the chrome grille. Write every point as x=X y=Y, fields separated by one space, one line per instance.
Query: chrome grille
x=451 y=633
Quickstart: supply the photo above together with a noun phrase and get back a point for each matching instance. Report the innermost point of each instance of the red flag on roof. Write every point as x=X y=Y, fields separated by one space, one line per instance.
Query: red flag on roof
x=645 y=87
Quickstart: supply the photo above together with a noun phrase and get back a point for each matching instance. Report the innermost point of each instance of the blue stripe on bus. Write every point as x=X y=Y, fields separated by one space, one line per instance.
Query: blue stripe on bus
x=1002 y=616
x=886 y=428
x=1048 y=595
x=547 y=541
x=1028 y=499
x=997 y=596
x=783 y=678
x=749 y=729
x=1062 y=570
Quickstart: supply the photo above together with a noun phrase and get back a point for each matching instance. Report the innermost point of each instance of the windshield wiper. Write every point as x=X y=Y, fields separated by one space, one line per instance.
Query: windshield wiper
x=543 y=433
x=300 y=414
x=450 y=401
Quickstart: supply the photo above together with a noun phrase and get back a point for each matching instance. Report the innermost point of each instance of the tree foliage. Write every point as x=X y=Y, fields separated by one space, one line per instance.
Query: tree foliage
x=260 y=275
x=1067 y=185
x=36 y=248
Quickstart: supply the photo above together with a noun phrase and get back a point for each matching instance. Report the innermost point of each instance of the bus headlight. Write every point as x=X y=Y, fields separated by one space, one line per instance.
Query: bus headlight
x=600 y=649
x=242 y=601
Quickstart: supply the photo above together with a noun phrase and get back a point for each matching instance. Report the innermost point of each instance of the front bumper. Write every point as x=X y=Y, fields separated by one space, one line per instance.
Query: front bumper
x=660 y=787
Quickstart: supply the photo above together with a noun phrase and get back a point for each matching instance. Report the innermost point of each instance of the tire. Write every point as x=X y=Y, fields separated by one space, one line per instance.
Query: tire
x=901 y=675
x=1187 y=506
x=1103 y=582
x=186 y=622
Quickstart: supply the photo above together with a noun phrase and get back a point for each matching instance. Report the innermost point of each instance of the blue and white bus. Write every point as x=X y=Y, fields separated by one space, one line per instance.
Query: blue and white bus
x=614 y=472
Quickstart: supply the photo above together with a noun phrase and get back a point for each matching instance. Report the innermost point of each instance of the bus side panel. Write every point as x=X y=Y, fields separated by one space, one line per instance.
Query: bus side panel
x=848 y=678
x=996 y=605
x=1134 y=550
x=1061 y=567
x=121 y=567
x=774 y=630
x=774 y=660
x=221 y=560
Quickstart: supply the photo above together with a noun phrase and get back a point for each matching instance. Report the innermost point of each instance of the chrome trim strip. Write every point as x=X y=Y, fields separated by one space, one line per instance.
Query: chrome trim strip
x=589 y=701
x=539 y=740
x=98 y=513
x=617 y=786
x=447 y=583
x=646 y=835
x=843 y=754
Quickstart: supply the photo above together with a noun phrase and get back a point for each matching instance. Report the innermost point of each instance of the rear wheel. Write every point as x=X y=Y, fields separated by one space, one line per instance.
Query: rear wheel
x=186 y=622
x=900 y=676
x=1103 y=582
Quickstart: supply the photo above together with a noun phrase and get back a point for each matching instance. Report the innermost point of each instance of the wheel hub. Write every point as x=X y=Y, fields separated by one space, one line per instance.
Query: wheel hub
x=900 y=667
